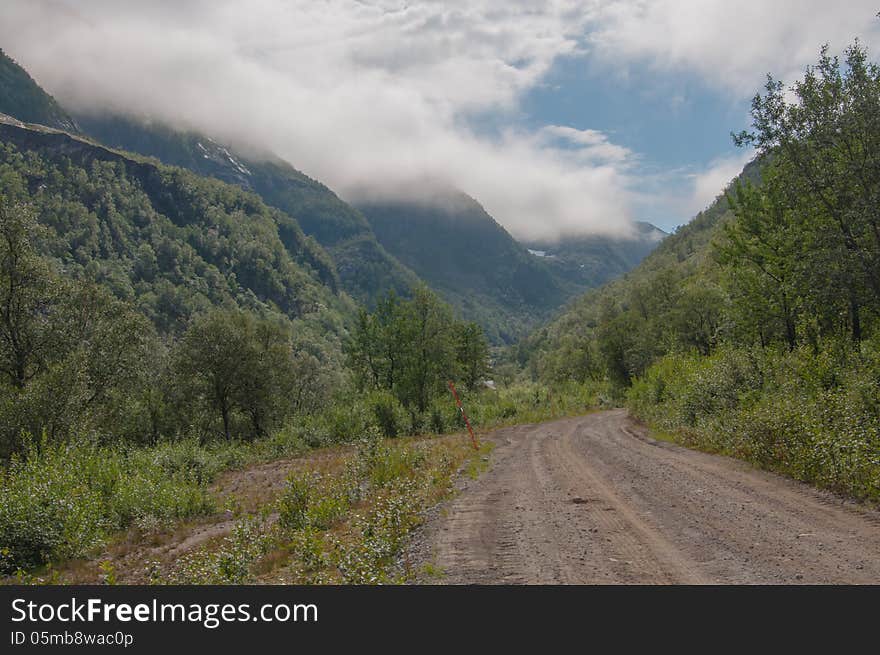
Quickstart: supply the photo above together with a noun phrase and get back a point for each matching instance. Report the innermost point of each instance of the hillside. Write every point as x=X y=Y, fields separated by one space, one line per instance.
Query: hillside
x=453 y=244
x=459 y=251
x=23 y=98
x=164 y=239
x=655 y=291
x=365 y=269
x=592 y=260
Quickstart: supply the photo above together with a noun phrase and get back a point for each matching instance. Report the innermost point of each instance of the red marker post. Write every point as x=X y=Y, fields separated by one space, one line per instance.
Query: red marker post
x=463 y=415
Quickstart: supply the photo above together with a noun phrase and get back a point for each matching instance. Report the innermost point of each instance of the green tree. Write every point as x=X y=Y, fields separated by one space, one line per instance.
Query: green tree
x=412 y=347
x=233 y=363
x=471 y=353
x=213 y=356
x=267 y=383
x=429 y=358
x=825 y=150
x=29 y=297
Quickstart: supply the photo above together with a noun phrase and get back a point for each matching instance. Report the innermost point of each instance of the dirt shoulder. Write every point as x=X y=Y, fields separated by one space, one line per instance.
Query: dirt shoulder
x=594 y=500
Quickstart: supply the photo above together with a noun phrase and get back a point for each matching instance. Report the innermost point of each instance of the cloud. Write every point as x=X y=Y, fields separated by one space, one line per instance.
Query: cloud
x=379 y=93
x=588 y=145
x=729 y=45
x=353 y=93
x=711 y=183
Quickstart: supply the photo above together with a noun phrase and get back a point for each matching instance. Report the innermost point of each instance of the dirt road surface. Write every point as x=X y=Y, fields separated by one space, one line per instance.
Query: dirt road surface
x=594 y=500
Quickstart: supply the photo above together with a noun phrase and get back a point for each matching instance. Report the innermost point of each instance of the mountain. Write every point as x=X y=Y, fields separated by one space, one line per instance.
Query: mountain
x=166 y=240
x=453 y=244
x=365 y=269
x=445 y=238
x=619 y=328
x=23 y=98
x=591 y=260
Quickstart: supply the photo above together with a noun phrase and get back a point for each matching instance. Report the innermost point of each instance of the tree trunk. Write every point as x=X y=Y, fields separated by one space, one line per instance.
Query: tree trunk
x=856 y=320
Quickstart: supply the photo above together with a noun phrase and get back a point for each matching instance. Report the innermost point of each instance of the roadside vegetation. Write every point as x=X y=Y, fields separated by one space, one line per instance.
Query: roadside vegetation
x=753 y=330
x=352 y=495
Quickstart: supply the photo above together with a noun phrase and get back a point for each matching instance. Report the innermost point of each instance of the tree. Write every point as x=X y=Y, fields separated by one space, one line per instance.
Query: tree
x=471 y=353
x=824 y=148
x=267 y=382
x=235 y=363
x=212 y=358
x=29 y=297
x=412 y=347
x=72 y=357
x=764 y=253
x=428 y=362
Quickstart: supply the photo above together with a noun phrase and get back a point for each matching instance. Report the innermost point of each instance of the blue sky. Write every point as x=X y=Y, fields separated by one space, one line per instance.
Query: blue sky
x=674 y=121
x=561 y=117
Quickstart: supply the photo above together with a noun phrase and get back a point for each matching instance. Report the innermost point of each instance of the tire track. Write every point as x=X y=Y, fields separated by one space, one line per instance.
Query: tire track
x=594 y=500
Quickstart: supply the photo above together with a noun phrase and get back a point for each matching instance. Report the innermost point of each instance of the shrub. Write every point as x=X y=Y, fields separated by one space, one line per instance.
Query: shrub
x=813 y=416
x=61 y=501
x=388 y=412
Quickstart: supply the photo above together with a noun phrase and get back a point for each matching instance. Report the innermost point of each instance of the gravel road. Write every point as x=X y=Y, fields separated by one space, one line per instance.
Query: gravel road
x=594 y=500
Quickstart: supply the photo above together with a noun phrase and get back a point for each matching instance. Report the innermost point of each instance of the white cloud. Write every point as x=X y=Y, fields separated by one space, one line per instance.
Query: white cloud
x=711 y=183
x=352 y=93
x=730 y=45
x=363 y=93
x=591 y=145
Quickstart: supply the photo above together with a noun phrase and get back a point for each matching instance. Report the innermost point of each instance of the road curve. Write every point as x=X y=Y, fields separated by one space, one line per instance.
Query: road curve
x=594 y=500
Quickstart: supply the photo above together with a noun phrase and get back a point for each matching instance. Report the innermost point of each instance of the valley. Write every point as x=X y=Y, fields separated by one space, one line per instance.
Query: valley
x=217 y=369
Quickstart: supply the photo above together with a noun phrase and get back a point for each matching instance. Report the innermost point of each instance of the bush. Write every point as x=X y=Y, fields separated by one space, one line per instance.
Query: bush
x=311 y=500
x=61 y=501
x=389 y=413
x=813 y=416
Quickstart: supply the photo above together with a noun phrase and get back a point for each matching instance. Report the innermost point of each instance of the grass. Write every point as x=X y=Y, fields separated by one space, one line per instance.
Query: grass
x=341 y=516
x=347 y=523
x=660 y=435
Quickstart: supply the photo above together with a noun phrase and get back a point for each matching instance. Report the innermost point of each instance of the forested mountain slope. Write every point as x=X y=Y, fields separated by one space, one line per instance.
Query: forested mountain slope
x=452 y=243
x=165 y=239
x=366 y=270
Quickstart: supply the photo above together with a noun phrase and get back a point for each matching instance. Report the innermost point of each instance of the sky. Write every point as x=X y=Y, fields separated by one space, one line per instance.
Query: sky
x=561 y=117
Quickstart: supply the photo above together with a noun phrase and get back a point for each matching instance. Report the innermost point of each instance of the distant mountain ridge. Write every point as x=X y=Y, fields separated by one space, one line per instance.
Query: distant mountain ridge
x=452 y=243
x=365 y=269
x=456 y=246
x=591 y=260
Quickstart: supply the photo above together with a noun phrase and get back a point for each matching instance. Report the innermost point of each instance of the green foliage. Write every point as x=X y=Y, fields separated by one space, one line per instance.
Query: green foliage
x=410 y=348
x=389 y=414
x=72 y=358
x=230 y=563
x=814 y=416
x=163 y=239
x=353 y=259
x=63 y=501
x=231 y=363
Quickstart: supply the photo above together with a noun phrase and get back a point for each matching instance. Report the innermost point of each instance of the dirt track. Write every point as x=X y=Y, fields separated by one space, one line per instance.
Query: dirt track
x=594 y=500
